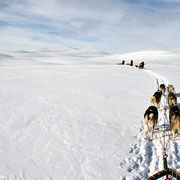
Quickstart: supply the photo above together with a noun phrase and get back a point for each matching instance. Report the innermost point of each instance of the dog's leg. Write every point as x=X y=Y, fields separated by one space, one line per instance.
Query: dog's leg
x=176 y=134
x=156 y=104
x=151 y=134
x=173 y=133
x=152 y=124
x=147 y=124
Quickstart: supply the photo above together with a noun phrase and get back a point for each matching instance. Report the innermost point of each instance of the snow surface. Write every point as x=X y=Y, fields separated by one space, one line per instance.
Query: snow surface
x=69 y=114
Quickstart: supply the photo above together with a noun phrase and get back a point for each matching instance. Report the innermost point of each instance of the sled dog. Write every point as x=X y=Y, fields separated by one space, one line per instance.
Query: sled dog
x=156 y=98
x=174 y=119
x=162 y=89
x=171 y=89
x=151 y=118
x=172 y=99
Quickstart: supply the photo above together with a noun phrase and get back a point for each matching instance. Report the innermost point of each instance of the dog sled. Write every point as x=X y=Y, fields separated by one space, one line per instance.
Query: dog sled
x=167 y=172
x=123 y=62
x=140 y=66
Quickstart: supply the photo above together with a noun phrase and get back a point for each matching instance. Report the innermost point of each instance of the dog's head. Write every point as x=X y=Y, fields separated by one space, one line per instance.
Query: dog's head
x=174 y=101
x=153 y=100
x=171 y=88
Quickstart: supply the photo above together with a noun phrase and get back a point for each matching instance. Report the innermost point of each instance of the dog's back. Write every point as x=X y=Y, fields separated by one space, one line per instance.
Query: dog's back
x=158 y=94
x=172 y=99
x=153 y=110
x=175 y=121
x=174 y=109
x=162 y=89
x=156 y=98
x=151 y=118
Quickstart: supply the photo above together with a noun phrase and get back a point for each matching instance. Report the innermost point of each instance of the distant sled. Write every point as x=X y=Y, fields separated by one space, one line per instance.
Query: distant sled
x=123 y=62
x=141 y=65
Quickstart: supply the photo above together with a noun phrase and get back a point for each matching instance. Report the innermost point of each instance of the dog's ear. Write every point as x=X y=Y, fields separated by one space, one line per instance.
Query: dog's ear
x=152 y=99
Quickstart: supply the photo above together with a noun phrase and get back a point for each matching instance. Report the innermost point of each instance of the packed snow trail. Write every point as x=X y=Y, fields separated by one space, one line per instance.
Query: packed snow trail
x=148 y=155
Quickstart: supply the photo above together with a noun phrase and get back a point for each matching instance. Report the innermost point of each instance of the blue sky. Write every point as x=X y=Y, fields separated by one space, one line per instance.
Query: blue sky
x=114 y=26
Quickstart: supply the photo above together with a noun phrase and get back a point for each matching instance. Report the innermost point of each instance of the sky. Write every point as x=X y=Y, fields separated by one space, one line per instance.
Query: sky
x=114 y=26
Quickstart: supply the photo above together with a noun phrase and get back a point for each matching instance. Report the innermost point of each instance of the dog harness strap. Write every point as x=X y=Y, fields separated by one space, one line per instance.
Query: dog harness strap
x=160 y=138
x=165 y=161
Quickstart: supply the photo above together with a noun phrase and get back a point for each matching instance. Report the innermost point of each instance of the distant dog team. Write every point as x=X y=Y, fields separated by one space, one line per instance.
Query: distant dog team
x=140 y=66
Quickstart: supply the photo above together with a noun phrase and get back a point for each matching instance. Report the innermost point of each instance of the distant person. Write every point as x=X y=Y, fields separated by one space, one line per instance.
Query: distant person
x=141 y=65
x=131 y=63
x=123 y=62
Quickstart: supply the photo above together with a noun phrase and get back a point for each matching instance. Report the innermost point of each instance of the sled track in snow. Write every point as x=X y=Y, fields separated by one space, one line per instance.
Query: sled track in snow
x=147 y=155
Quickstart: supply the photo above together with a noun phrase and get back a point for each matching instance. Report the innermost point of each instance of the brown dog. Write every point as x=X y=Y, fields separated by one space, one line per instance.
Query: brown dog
x=151 y=118
x=156 y=98
x=174 y=119
x=171 y=89
x=172 y=99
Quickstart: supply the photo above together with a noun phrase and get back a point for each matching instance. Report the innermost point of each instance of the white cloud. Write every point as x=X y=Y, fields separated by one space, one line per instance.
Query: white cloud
x=102 y=25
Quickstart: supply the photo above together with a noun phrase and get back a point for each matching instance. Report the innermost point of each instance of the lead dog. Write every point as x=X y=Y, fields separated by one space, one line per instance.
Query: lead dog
x=156 y=98
x=174 y=119
x=162 y=88
x=171 y=89
x=151 y=118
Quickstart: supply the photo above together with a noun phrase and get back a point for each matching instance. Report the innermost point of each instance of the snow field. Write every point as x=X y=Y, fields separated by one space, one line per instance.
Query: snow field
x=67 y=122
x=64 y=121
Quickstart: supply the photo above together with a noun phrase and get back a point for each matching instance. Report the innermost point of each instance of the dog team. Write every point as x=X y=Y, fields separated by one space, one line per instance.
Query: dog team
x=151 y=114
x=140 y=66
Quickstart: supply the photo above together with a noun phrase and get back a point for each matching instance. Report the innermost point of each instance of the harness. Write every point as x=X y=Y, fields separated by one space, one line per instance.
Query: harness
x=169 y=173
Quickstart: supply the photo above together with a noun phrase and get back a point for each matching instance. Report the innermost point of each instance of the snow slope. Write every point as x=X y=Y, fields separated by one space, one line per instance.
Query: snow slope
x=71 y=114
